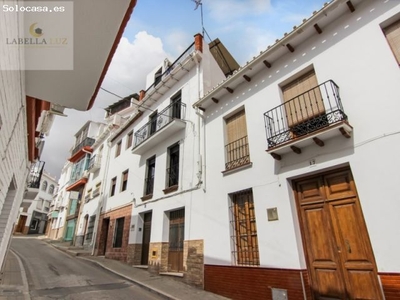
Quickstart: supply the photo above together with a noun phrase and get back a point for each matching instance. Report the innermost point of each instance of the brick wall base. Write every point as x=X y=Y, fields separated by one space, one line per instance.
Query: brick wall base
x=194 y=263
x=158 y=262
x=391 y=285
x=134 y=256
x=105 y=235
x=253 y=282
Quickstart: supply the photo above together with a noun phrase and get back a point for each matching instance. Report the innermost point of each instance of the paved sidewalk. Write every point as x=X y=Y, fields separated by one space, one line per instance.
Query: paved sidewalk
x=162 y=285
x=13 y=283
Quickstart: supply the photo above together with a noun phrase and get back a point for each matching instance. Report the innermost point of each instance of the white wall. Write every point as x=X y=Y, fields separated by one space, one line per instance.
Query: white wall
x=354 y=53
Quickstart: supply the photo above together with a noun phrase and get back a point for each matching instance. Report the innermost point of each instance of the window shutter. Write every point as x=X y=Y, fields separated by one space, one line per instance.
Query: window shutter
x=392 y=33
x=236 y=126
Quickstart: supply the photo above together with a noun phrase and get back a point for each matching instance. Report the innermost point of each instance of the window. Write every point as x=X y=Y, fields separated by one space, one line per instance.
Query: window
x=129 y=140
x=157 y=76
x=173 y=166
x=304 y=105
x=118 y=149
x=176 y=102
x=44 y=186
x=153 y=123
x=392 y=33
x=244 y=230
x=237 y=147
x=118 y=232
x=124 y=182
x=51 y=189
x=113 y=184
x=89 y=233
x=96 y=191
x=88 y=195
x=149 y=181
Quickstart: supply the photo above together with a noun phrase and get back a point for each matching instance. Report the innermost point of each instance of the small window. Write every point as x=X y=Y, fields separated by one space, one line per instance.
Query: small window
x=118 y=233
x=44 y=186
x=118 y=149
x=124 y=182
x=129 y=140
x=244 y=229
x=51 y=189
x=237 y=146
x=113 y=184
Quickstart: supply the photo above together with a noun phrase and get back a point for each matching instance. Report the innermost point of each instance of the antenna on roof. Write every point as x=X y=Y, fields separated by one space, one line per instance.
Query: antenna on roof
x=198 y=3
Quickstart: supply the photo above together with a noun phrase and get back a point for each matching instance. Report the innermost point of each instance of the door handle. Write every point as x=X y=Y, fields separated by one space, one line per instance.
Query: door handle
x=348 y=246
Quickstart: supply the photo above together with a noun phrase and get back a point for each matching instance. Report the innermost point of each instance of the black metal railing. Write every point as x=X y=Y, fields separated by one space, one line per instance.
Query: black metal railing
x=35 y=175
x=86 y=142
x=315 y=109
x=237 y=153
x=149 y=186
x=173 y=175
x=171 y=112
x=177 y=62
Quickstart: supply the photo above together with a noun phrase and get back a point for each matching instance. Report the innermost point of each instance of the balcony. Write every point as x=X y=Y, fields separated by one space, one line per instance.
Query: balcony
x=79 y=174
x=160 y=127
x=309 y=118
x=81 y=149
x=237 y=154
x=94 y=164
x=34 y=178
x=177 y=63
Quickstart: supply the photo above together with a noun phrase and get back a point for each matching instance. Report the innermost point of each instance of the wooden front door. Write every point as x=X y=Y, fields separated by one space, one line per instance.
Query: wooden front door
x=21 y=224
x=176 y=237
x=146 y=238
x=338 y=250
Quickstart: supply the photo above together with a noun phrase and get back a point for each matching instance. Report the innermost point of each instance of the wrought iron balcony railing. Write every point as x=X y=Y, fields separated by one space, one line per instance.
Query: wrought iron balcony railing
x=149 y=186
x=173 y=111
x=237 y=153
x=86 y=142
x=177 y=62
x=306 y=113
x=173 y=175
x=35 y=175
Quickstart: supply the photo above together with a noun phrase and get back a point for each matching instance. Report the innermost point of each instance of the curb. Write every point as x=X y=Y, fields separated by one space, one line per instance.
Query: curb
x=141 y=284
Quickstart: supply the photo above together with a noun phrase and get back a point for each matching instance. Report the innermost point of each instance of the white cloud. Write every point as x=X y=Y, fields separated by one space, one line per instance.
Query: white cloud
x=126 y=75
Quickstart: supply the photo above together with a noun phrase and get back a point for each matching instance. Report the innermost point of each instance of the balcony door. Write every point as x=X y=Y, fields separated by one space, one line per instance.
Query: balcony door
x=303 y=103
x=176 y=106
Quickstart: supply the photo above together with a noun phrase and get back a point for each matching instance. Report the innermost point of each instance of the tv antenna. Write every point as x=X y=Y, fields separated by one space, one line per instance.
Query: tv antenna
x=198 y=3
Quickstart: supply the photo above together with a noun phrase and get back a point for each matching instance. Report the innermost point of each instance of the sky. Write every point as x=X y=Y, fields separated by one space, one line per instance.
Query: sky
x=160 y=29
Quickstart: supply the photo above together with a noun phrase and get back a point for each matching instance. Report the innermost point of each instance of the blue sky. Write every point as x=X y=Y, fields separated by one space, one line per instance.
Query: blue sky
x=165 y=28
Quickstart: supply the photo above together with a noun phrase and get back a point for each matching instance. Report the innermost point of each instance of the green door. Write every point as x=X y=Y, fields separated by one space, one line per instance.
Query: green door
x=70 y=230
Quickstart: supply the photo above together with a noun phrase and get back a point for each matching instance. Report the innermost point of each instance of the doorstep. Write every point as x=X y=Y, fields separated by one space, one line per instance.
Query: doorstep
x=145 y=267
x=173 y=274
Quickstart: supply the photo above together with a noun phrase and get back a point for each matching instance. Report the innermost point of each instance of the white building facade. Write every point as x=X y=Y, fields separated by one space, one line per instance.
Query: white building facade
x=301 y=163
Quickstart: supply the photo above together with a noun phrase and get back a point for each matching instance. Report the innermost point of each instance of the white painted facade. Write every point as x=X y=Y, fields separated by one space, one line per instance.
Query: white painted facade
x=353 y=52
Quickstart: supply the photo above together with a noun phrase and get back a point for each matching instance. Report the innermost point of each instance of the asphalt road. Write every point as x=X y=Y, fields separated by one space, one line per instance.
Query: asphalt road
x=53 y=274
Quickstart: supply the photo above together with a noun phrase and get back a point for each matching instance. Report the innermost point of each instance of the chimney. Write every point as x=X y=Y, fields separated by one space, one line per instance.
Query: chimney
x=198 y=42
x=142 y=93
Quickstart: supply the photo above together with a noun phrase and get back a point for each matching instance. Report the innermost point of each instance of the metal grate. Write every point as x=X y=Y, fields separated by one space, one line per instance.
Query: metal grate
x=244 y=229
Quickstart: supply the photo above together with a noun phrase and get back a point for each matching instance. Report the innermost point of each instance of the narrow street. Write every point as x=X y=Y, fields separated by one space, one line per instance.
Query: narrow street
x=52 y=274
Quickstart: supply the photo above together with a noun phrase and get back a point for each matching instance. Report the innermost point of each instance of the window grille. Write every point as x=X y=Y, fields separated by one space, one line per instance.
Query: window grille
x=244 y=229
